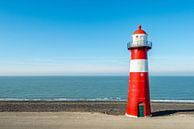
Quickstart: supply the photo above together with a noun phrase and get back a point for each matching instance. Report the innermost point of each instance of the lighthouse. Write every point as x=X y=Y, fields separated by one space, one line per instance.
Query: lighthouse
x=138 y=103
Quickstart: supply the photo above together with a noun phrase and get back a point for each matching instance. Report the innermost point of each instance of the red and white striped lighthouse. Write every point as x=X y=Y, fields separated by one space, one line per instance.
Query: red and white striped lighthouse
x=138 y=104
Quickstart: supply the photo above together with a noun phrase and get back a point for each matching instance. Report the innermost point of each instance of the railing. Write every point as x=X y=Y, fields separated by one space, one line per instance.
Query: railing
x=137 y=44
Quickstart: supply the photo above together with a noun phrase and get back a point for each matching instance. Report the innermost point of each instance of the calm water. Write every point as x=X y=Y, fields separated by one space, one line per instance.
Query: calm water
x=92 y=88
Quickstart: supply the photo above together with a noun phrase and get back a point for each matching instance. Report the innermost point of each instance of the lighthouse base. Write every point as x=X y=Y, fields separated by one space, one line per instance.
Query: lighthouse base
x=132 y=116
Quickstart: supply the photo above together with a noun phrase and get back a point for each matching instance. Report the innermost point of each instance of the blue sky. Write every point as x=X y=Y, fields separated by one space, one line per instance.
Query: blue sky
x=85 y=37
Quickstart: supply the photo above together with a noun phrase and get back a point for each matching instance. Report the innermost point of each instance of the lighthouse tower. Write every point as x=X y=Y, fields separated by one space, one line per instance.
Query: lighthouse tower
x=138 y=104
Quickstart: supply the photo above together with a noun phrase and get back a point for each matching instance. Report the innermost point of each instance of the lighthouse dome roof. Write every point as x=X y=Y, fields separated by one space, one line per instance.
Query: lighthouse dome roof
x=139 y=31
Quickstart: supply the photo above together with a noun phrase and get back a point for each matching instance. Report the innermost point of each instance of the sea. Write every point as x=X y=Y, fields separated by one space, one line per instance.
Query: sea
x=92 y=88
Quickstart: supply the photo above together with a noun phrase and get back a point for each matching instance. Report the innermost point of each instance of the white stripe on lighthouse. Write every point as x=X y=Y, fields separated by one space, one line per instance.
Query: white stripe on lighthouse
x=139 y=65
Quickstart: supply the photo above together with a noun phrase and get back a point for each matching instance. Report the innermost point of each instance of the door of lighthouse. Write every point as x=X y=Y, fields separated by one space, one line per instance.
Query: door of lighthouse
x=140 y=110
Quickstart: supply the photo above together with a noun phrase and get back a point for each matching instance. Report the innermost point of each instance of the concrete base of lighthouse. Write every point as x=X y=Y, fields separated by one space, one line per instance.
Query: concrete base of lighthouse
x=132 y=116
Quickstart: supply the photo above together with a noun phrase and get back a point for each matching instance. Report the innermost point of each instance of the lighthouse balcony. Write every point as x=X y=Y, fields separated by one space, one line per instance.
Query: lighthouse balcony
x=139 y=44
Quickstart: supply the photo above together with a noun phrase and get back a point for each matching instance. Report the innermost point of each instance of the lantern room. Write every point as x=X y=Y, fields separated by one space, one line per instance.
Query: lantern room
x=139 y=39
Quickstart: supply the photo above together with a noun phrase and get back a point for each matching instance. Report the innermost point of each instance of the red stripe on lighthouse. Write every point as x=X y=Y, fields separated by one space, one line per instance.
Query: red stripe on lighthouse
x=139 y=53
x=138 y=93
